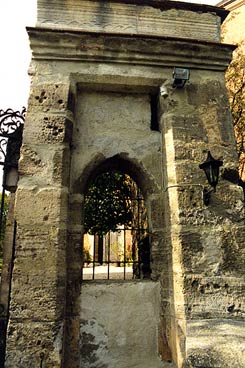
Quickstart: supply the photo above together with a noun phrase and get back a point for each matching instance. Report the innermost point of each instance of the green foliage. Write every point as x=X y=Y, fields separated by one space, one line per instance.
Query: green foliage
x=235 y=82
x=107 y=203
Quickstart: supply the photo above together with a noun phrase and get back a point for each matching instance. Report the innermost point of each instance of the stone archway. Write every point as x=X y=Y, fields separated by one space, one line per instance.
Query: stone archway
x=116 y=312
x=95 y=96
x=133 y=297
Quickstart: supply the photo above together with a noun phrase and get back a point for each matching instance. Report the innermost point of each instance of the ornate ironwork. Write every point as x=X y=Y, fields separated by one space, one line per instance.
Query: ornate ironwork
x=11 y=128
x=124 y=252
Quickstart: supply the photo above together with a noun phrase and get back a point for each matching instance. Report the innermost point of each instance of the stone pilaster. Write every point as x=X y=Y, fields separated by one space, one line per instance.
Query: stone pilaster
x=206 y=246
x=74 y=277
x=38 y=298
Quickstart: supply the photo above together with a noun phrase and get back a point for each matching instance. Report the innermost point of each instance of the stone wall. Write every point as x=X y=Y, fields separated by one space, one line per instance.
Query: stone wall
x=39 y=276
x=89 y=109
x=207 y=247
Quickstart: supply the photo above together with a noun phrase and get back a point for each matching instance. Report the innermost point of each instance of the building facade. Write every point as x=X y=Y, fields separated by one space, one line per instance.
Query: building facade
x=104 y=98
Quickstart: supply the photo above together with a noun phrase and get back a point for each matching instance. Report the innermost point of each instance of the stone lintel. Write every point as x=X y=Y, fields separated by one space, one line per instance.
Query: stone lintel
x=58 y=45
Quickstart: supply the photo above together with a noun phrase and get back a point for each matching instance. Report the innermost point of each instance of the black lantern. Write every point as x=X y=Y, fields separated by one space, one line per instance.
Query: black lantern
x=211 y=169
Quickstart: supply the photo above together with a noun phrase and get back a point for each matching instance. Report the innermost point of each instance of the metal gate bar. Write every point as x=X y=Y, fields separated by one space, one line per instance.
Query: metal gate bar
x=139 y=233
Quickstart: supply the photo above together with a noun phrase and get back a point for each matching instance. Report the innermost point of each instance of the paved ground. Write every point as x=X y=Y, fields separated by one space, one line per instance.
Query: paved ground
x=101 y=273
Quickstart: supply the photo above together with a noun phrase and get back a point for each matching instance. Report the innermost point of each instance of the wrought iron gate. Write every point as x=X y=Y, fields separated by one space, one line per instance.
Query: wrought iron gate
x=121 y=254
x=11 y=129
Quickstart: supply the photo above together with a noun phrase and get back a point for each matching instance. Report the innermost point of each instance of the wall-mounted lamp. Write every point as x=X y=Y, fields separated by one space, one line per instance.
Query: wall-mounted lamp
x=163 y=91
x=211 y=169
x=180 y=76
x=10 y=179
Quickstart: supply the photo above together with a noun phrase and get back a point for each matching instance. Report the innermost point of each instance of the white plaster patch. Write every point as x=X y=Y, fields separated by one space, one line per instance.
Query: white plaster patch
x=93 y=344
x=119 y=325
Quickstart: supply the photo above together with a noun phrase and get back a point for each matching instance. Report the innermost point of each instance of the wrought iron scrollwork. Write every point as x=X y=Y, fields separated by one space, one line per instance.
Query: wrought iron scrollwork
x=10 y=120
x=11 y=128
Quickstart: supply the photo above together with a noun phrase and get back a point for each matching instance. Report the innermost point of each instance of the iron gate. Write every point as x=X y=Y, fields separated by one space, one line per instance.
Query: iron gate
x=121 y=254
x=11 y=129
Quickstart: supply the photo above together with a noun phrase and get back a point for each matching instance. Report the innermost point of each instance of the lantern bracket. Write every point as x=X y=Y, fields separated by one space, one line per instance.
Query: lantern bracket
x=211 y=168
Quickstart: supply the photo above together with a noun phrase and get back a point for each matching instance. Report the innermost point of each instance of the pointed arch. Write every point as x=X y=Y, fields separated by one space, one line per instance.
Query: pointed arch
x=120 y=162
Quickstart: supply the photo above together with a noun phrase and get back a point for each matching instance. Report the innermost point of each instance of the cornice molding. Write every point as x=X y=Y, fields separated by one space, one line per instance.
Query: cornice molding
x=231 y=5
x=49 y=44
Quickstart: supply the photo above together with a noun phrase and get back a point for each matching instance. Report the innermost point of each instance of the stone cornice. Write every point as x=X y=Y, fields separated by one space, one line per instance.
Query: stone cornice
x=49 y=44
x=231 y=5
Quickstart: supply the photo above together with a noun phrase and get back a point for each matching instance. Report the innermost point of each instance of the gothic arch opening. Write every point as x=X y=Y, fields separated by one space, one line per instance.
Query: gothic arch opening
x=105 y=299
x=116 y=242
x=116 y=210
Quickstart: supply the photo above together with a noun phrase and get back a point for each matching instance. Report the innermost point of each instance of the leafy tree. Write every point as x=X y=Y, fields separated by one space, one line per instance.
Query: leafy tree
x=107 y=203
x=235 y=82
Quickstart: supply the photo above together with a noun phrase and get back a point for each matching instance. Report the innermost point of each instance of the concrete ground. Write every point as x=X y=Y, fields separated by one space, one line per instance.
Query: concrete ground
x=101 y=272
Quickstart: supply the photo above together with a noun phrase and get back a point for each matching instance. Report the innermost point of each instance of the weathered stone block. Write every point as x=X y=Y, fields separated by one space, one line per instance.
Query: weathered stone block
x=49 y=205
x=42 y=166
x=30 y=162
x=192 y=248
x=35 y=298
x=157 y=213
x=207 y=93
x=160 y=255
x=75 y=207
x=233 y=249
x=36 y=293
x=190 y=198
x=49 y=97
x=189 y=151
x=48 y=129
x=34 y=338
x=188 y=129
x=214 y=297
x=61 y=166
